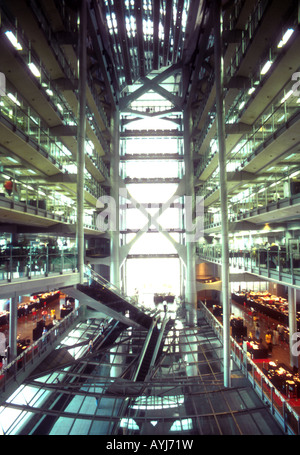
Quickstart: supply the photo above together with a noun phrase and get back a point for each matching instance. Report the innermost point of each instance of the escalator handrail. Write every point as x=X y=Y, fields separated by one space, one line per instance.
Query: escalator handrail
x=144 y=349
x=111 y=287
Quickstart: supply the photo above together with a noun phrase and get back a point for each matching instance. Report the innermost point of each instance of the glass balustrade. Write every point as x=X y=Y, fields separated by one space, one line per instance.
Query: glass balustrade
x=256 y=197
x=284 y=261
x=53 y=203
x=28 y=262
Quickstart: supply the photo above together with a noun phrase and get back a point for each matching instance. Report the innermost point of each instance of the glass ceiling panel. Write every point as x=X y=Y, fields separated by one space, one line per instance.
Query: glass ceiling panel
x=137 y=146
x=152 y=169
x=152 y=192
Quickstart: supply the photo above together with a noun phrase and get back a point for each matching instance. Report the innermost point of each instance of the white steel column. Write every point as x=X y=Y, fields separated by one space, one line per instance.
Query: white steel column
x=292 y=323
x=114 y=178
x=81 y=139
x=190 y=288
x=13 y=321
x=219 y=73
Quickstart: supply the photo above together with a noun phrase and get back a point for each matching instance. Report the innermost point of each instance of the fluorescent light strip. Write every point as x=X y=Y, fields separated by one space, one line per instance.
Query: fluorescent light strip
x=13 y=39
x=286 y=96
x=14 y=99
x=266 y=67
x=285 y=37
x=33 y=68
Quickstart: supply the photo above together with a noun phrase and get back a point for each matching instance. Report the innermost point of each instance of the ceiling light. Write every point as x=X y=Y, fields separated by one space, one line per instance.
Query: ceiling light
x=290 y=156
x=251 y=90
x=242 y=105
x=14 y=99
x=266 y=67
x=49 y=92
x=12 y=38
x=294 y=174
x=34 y=69
x=285 y=37
x=286 y=96
x=12 y=159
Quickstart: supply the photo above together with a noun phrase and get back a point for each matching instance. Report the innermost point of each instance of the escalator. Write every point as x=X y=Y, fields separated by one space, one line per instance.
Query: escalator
x=147 y=358
x=109 y=295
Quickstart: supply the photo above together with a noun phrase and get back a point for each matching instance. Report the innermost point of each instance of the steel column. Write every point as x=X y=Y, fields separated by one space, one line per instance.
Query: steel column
x=81 y=138
x=219 y=74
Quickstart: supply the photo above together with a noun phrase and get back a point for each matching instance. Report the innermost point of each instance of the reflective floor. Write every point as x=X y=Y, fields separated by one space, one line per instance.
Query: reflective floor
x=77 y=392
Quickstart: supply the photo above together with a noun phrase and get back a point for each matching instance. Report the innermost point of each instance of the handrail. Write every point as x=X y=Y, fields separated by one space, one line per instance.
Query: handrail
x=11 y=371
x=242 y=365
x=90 y=273
x=144 y=349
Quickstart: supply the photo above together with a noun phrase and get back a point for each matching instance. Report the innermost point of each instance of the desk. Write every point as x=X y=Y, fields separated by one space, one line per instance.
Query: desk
x=256 y=351
x=285 y=381
x=64 y=311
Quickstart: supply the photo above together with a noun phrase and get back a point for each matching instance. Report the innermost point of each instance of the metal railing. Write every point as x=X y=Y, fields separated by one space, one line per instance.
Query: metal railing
x=91 y=274
x=19 y=262
x=36 y=352
x=279 y=405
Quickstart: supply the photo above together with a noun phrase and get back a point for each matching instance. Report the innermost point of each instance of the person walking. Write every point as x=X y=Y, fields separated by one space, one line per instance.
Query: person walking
x=268 y=339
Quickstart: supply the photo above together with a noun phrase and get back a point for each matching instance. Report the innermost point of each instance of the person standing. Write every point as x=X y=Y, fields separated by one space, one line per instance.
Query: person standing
x=268 y=339
x=8 y=186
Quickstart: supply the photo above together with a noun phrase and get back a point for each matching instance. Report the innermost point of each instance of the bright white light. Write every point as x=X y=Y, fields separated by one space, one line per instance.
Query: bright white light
x=286 y=96
x=12 y=38
x=129 y=423
x=14 y=99
x=49 y=91
x=33 y=68
x=242 y=105
x=285 y=37
x=251 y=90
x=294 y=174
x=266 y=67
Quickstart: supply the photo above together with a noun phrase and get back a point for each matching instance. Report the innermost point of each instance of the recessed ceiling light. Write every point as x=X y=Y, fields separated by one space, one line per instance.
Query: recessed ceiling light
x=285 y=37
x=13 y=39
x=34 y=69
x=266 y=67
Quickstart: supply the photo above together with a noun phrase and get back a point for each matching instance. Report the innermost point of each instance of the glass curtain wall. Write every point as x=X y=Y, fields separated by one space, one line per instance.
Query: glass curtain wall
x=152 y=167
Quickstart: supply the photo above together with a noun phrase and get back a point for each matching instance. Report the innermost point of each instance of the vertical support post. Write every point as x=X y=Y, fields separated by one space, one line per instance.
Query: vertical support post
x=13 y=319
x=292 y=323
x=114 y=177
x=81 y=138
x=219 y=72
x=191 y=292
